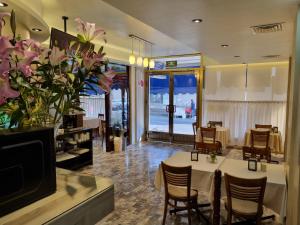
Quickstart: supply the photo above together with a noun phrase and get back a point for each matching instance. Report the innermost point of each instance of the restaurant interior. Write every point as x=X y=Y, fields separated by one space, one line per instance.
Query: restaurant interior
x=149 y=112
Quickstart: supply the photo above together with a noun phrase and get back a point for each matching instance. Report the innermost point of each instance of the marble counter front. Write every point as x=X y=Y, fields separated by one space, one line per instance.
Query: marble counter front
x=79 y=199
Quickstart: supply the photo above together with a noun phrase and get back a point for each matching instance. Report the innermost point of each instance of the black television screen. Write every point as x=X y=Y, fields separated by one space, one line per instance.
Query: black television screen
x=27 y=167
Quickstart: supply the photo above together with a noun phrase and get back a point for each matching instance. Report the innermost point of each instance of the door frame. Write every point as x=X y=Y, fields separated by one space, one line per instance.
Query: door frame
x=178 y=138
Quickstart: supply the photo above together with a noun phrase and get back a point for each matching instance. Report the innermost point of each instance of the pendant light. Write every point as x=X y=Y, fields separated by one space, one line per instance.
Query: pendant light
x=145 y=61
x=139 y=60
x=131 y=57
x=151 y=63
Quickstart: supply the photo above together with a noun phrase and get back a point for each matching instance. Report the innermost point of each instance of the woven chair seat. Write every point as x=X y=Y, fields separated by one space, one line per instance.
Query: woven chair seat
x=181 y=192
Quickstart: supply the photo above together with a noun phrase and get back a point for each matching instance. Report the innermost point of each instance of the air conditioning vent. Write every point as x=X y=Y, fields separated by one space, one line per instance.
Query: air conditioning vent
x=271 y=56
x=267 y=28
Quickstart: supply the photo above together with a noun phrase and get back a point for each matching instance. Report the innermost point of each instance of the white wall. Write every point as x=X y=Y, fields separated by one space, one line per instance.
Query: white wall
x=137 y=89
x=293 y=135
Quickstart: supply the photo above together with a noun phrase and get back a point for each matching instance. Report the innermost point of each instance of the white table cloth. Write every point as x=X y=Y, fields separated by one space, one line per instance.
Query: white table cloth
x=91 y=122
x=222 y=135
x=275 y=141
x=275 y=193
x=202 y=170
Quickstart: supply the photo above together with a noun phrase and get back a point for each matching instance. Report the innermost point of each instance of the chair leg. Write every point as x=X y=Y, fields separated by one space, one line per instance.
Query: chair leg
x=102 y=139
x=175 y=203
x=258 y=221
x=165 y=211
x=189 y=213
x=229 y=218
x=195 y=204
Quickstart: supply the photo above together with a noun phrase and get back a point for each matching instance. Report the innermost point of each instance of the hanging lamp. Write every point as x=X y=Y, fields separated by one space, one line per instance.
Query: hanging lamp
x=145 y=61
x=151 y=63
x=132 y=56
x=139 y=60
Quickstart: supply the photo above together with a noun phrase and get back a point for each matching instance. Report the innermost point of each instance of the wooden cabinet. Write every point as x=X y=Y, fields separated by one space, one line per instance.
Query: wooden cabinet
x=74 y=149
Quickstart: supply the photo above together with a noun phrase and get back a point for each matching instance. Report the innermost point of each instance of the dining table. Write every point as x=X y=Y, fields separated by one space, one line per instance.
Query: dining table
x=202 y=170
x=222 y=135
x=203 y=173
x=275 y=140
x=276 y=190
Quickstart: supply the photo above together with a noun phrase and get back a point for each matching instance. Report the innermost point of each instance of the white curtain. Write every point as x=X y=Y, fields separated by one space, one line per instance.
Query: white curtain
x=241 y=116
x=243 y=95
x=93 y=105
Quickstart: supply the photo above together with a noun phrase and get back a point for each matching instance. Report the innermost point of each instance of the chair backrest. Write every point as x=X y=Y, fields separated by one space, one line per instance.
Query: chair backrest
x=101 y=116
x=215 y=123
x=266 y=126
x=103 y=125
x=208 y=134
x=177 y=176
x=194 y=127
x=245 y=189
x=260 y=139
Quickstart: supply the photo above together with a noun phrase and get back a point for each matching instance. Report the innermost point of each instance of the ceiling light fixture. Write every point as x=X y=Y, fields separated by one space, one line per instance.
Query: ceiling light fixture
x=236 y=56
x=197 y=20
x=139 y=60
x=224 y=46
x=36 y=29
x=131 y=57
x=151 y=63
x=3 y=4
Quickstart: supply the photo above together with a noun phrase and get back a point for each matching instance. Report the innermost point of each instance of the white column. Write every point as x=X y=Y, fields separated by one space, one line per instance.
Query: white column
x=293 y=134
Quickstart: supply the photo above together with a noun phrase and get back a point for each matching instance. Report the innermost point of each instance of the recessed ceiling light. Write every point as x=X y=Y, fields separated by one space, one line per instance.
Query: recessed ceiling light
x=224 y=46
x=197 y=20
x=236 y=56
x=37 y=29
x=3 y=4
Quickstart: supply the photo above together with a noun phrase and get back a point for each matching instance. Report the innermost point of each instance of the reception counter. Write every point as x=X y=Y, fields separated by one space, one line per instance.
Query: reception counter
x=79 y=199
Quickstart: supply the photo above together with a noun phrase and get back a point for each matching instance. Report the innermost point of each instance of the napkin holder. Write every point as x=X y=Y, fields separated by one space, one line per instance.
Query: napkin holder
x=252 y=164
x=275 y=129
x=194 y=156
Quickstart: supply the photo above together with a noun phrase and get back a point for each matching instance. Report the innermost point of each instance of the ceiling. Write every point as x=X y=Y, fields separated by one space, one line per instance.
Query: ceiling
x=224 y=22
x=117 y=24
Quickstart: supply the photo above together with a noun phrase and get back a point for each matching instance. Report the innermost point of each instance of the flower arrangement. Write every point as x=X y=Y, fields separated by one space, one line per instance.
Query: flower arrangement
x=39 y=85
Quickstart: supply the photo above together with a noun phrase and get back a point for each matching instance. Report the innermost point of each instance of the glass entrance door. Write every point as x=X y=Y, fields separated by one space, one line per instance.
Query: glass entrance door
x=185 y=103
x=159 y=103
x=172 y=101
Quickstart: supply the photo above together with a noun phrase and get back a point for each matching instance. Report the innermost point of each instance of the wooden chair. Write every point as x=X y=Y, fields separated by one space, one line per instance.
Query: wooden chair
x=263 y=126
x=216 y=123
x=208 y=142
x=177 y=181
x=101 y=116
x=216 y=216
x=102 y=130
x=259 y=144
x=195 y=132
x=245 y=199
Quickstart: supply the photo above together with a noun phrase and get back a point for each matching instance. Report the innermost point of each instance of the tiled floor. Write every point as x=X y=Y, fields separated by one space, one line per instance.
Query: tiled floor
x=136 y=199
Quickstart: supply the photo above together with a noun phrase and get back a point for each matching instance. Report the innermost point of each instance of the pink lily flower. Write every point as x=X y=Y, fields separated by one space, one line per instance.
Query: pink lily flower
x=5 y=47
x=92 y=59
x=57 y=56
x=6 y=91
x=106 y=79
x=4 y=67
x=88 y=30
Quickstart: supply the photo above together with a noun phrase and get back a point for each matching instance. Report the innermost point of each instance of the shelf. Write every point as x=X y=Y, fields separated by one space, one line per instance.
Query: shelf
x=64 y=156
x=78 y=130
x=76 y=154
x=79 y=151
